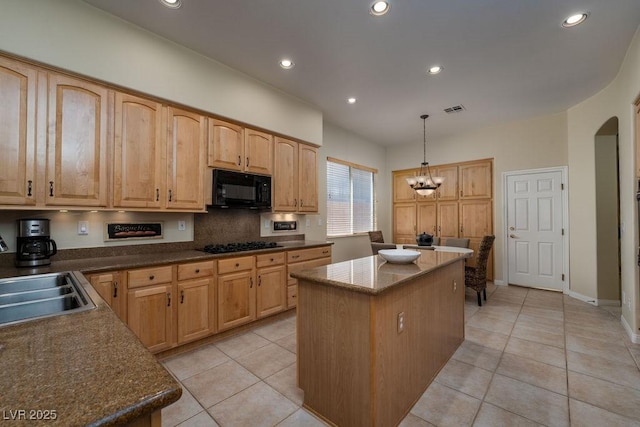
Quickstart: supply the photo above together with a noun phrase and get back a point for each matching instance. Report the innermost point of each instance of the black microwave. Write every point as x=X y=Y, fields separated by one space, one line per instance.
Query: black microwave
x=240 y=190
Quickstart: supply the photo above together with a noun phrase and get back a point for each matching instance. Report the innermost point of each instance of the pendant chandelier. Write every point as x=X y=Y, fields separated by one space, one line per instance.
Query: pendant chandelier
x=424 y=184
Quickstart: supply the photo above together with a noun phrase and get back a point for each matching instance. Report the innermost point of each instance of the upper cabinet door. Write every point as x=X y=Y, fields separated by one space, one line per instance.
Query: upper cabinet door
x=402 y=192
x=226 y=145
x=449 y=188
x=138 y=163
x=76 y=143
x=258 y=152
x=308 y=178
x=475 y=180
x=285 y=182
x=17 y=133
x=185 y=159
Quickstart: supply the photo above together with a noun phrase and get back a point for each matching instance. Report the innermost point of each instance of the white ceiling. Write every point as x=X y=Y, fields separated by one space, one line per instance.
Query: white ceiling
x=504 y=59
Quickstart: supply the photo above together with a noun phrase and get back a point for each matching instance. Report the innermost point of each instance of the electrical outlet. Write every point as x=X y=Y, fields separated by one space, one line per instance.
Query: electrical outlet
x=182 y=225
x=401 y=321
x=83 y=228
x=266 y=224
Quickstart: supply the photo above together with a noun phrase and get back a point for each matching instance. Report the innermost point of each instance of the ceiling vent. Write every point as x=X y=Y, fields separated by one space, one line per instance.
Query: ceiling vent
x=455 y=109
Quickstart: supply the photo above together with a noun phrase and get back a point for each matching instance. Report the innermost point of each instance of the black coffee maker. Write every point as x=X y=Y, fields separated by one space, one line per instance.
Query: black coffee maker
x=34 y=245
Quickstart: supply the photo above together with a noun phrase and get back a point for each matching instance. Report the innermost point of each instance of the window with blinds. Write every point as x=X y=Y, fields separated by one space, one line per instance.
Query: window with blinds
x=350 y=198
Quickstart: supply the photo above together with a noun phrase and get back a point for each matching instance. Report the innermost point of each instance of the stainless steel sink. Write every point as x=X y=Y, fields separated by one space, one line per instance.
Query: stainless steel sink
x=33 y=297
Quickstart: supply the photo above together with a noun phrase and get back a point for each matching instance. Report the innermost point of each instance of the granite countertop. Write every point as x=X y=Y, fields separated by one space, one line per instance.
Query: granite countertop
x=85 y=368
x=96 y=265
x=373 y=275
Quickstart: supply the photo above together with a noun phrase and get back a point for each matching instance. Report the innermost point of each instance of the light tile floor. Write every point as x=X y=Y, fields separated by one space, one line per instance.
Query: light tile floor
x=530 y=358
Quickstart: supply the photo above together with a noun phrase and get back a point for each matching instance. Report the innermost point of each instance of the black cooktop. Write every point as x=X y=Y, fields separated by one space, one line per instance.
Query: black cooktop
x=239 y=247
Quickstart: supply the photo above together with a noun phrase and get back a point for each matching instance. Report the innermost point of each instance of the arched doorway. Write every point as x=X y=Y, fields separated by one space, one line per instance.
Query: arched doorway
x=607 y=213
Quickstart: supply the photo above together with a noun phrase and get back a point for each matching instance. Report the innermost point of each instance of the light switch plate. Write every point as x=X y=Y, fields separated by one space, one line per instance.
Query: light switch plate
x=182 y=225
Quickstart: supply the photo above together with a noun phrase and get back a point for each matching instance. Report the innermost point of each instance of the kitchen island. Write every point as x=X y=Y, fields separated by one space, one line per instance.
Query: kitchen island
x=373 y=335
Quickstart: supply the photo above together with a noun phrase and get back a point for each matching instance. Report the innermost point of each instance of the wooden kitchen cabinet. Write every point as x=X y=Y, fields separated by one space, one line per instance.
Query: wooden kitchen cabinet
x=240 y=149
x=76 y=165
x=18 y=85
x=301 y=259
x=186 y=133
x=236 y=292
x=402 y=193
x=476 y=218
x=196 y=301
x=295 y=187
x=427 y=218
x=138 y=165
x=113 y=291
x=271 y=294
x=475 y=180
x=448 y=190
x=258 y=152
x=404 y=223
x=448 y=219
x=150 y=315
x=226 y=145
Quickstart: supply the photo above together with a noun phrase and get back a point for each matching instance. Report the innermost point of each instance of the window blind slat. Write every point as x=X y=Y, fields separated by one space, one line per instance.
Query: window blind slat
x=350 y=199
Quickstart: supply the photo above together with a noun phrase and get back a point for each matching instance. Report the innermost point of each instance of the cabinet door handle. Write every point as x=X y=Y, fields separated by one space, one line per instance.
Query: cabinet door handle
x=439 y=228
x=51 y=188
x=182 y=296
x=115 y=289
x=29 y=186
x=325 y=252
x=251 y=282
x=259 y=280
x=295 y=256
x=157 y=194
x=295 y=202
x=170 y=195
x=237 y=264
x=197 y=270
x=271 y=259
x=152 y=277
x=300 y=202
x=168 y=299
x=239 y=160
x=460 y=230
x=460 y=193
x=247 y=164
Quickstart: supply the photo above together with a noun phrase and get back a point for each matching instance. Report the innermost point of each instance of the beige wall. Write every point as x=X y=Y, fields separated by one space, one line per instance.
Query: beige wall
x=536 y=143
x=584 y=120
x=347 y=146
x=77 y=37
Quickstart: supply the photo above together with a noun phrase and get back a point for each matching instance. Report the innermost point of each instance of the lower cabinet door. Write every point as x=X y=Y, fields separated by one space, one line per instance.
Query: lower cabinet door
x=271 y=292
x=150 y=316
x=236 y=299
x=195 y=318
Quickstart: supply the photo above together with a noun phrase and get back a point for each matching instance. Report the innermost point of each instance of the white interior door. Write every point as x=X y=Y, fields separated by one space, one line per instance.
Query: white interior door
x=534 y=229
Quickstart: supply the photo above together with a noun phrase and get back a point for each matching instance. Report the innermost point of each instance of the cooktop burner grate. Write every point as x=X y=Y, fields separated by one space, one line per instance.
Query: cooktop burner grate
x=239 y=247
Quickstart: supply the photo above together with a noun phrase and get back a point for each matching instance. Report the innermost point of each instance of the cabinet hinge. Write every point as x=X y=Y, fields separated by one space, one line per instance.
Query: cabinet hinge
x=563 y=277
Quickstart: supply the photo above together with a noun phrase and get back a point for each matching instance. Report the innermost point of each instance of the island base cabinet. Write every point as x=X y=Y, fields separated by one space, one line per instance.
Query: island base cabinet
x=355 y=366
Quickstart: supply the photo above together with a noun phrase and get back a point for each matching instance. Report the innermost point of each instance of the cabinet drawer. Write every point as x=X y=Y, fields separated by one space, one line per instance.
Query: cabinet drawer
x=307 y=254
x=292 y=296
x=195 y=269
x=149 y=276
x=307 y=264
x=235 y=264
x=266 y=260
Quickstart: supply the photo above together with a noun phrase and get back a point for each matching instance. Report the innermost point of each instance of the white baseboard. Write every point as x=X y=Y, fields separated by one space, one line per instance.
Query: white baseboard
x=499 y=283
x=583 y=298
x=635 y=338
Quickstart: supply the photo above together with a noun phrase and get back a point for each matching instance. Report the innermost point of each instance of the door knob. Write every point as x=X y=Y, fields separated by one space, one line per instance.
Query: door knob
x=513 y=236
x=512 y=228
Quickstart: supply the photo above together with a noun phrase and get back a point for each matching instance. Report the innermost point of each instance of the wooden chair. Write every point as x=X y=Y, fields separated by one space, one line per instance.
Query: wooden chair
x=458 y=243
x=476 y=277
x=376 y=236
x=377 y=242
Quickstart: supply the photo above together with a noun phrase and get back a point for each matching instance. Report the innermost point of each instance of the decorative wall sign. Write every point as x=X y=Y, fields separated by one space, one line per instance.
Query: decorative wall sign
x=122 y=231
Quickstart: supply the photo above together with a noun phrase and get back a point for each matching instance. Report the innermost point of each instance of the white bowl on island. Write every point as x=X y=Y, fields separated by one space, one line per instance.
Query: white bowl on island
x=399 y=256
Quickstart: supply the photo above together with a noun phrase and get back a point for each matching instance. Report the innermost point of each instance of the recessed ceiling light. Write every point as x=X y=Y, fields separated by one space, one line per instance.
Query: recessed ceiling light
x=436 y=69
x=351 y=100
x=379 y=8
x=172 y=4
x=287 y=64
x=574 y=20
